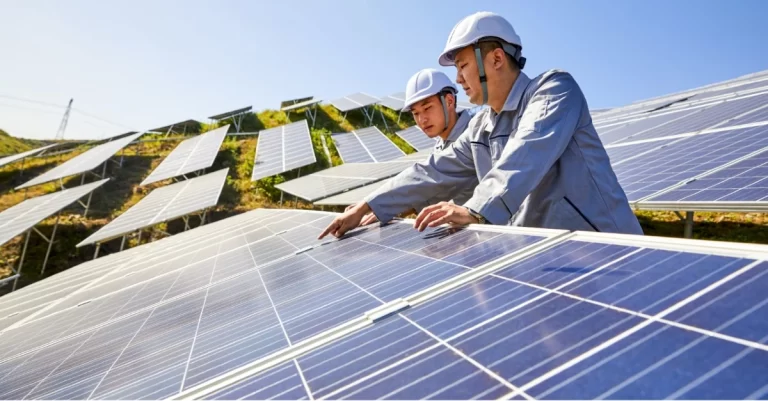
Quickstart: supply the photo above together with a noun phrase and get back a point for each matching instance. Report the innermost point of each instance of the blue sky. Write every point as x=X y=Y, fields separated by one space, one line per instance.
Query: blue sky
x=144 y=63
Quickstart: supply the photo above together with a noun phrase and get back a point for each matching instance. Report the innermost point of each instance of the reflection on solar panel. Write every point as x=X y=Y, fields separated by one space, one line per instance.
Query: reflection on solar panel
x=23 y=216
x=741 y=186
x=283 y=149
x=354 y=101
x=366 y=145
x=19 y=156
x=417 y=138
x=352 y=196
x=191 y=155
x=164 y=204
x=84 y=162
x=338 y=179
x=644 y=176
x=198 y=305
x=395 y=101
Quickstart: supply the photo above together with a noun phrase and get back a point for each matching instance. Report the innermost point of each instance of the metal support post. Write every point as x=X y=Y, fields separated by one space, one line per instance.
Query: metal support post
x=88 y=204
x=96 y=252
x=82 y=179
x=325 y=149
x=122 y=243
x=688 y=225
x=386 y=126
x=186 y=222
x=281 y=198
x=104 y=170
x=139 y=238
x=21 y=261
x=50 y=243
x=296 y=205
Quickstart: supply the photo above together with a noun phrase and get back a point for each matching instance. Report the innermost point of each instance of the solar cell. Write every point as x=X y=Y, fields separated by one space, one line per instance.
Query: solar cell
x=350 y=149
x=338 y=179
x=596 y=316
x=191 y=155
x=685 y=159
x=163 y=204
x=82 y=163
x=740 y=186
x=25 y=215
x=111 y=346
x=378 y=145
x=417 y=138
x=621 y=152
x=283 y=149
x=760 y=115
x=19 y=156
x=613 y=134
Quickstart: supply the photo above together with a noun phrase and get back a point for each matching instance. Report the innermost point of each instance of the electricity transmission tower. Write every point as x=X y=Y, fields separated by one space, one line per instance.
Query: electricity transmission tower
x=64 y=120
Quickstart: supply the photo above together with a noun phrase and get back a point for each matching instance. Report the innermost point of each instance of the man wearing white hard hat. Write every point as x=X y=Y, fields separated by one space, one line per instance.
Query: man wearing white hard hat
x=534 y=152
x=431 y=97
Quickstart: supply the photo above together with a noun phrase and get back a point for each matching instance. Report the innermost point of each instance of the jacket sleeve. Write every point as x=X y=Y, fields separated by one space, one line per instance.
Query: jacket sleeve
x=545 y=129
x=440 y=177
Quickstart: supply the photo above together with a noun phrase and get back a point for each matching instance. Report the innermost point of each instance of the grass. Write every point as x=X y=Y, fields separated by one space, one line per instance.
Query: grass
x=240 y=194
x=10 y=145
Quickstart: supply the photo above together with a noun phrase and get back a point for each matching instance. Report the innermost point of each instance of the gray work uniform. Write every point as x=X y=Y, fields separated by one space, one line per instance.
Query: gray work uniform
x=538 y=163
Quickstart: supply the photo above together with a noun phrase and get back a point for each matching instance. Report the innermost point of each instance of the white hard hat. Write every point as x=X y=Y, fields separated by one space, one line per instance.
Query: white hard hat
x=425 y=83
x=479 y=26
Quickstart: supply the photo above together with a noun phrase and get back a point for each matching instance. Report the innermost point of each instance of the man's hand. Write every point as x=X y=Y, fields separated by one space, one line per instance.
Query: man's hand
x=443 y=213
x=369 y=218
x=348 y=220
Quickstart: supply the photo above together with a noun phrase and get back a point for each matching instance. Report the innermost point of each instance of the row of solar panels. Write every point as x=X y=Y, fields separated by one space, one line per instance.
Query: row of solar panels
x=254 y=307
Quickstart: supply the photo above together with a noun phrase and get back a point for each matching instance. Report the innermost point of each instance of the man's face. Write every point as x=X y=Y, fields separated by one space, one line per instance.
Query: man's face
x=468 y=76
x=429 y=116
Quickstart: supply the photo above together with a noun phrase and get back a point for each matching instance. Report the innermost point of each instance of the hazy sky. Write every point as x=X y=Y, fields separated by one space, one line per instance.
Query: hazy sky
x=143 y=63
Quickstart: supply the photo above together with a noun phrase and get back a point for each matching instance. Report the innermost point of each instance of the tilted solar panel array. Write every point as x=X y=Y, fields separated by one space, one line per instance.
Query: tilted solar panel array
x=366 y=145
x=417 y=138
x=194 y=154
x=283 y=149
x=254 y=306
x=19 y=156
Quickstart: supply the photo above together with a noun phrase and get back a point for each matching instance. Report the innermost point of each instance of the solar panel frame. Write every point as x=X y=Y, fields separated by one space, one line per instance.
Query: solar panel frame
x=282 y=149
x=285 y=103
x=299 y=105
x=341 y=178
x=193 y=154
x=232 y=113
x=183 y=125
x=415 y=137
x=354 y=101
x=84 y=162
x=21 y=217
x=23 y=155
x=164 y=204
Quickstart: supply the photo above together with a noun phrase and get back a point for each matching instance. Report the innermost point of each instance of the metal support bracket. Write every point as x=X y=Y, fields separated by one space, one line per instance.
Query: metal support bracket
x=688 y=225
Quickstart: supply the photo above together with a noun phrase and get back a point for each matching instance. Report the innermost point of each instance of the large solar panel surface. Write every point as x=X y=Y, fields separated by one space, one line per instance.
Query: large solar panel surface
x=191 y=155
x=366 y=145
x=82 y=163
x=338 y=179
x=19 y=156
x=283 y=149
x=23 y=216
x=683 y=160
x=200 y=311
x=395 y=101
x=354 y=101
x=163 y=204
x=416 y=138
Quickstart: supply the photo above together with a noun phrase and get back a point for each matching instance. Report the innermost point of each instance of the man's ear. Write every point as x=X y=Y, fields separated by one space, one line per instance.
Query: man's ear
x=450 y=99
x=499 y=58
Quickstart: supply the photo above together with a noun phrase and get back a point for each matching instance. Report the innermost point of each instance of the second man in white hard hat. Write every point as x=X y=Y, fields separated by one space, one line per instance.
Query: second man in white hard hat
x=534 y=155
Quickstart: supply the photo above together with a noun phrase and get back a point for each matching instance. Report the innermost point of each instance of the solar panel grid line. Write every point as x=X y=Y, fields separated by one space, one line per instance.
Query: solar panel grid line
x=368 y=151
x=634 y=329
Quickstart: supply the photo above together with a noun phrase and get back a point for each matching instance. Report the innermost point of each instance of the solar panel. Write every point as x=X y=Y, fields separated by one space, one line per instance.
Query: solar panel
x=592 y=317
x=338 y=179
x=759 y=115
x=661 y=168
x=283 y=149
x=285 y=103
x=299 y=105
x=461 y=106
x=741 y=186
x=164 y=204
x=25 y=215
x=186 y=126
x=19 y=156
x=621 y=152
x=416 y=138
x=352 y=196
x=366 y=145
x=354 y=101
x=191 y=155
x=232 y=113
x=82 y=163
x=251 y=290
x=706 y=117
x=395 y=101
x=616 y=133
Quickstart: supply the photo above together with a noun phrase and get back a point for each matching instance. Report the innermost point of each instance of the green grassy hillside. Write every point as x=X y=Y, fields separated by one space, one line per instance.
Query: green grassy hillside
x=240 y=194
x=10 y=145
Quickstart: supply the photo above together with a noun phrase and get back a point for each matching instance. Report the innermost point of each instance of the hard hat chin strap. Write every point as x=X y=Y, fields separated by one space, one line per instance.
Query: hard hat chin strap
x=445 y=112
x=481 y=70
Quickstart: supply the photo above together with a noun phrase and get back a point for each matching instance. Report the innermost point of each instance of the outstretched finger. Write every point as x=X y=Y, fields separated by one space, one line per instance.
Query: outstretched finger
x=430 y=217
x=424 y=213
x=331 y=227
